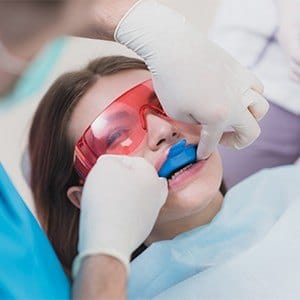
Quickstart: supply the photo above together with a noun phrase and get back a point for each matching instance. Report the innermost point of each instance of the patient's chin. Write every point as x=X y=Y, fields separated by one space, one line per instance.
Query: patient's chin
x=180 y=208
x=195 y=197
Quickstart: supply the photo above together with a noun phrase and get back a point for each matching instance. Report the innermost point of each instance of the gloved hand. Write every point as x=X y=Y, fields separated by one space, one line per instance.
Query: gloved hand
x=120 y=202
x=195 y=80
x=289 y=34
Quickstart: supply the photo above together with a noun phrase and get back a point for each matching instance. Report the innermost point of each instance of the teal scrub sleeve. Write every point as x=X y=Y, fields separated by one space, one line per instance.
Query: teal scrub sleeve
x=29 y=266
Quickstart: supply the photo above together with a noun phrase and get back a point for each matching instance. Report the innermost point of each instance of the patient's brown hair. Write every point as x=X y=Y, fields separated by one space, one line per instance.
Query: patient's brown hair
x=51 y=152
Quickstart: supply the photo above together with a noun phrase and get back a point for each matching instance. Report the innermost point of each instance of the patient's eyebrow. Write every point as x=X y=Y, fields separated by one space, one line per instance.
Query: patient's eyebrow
x=118 y=115
x=124 y=114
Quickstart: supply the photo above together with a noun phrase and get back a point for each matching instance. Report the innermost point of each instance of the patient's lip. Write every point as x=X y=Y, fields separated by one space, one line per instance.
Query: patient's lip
x=189 y=175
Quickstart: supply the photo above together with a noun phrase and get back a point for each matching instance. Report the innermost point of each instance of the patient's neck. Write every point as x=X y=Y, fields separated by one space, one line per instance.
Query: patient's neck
x=171 y=229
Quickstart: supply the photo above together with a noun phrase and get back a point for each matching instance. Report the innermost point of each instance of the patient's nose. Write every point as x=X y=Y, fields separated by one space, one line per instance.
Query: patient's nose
x=160 y=132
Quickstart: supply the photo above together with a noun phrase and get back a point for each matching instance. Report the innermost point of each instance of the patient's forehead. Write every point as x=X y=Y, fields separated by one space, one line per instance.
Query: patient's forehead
x=100 y=95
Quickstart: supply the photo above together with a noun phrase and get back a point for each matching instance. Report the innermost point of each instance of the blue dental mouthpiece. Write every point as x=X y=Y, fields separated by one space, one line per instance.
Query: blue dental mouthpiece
x=180 y=155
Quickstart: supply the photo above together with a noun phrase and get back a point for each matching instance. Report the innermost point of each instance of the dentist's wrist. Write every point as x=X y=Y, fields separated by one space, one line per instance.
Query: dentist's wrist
x=106 y=252
x=105 y=16
x=100 y=277
x=104 y=259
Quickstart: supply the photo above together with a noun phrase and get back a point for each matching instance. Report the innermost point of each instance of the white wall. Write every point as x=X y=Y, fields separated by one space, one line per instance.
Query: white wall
x=14 y=126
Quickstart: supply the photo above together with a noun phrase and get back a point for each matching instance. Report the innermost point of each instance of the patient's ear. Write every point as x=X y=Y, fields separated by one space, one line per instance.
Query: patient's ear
x=74 y=195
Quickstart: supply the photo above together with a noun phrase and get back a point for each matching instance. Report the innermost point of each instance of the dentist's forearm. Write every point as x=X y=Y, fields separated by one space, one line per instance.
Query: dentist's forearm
x=104 y=16
x=100 y=277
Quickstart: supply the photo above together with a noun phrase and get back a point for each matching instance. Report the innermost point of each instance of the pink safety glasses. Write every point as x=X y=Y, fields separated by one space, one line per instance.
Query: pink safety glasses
x=119 y=129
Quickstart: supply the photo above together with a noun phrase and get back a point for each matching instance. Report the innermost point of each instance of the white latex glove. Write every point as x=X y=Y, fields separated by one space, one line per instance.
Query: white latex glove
x=120 y=202
x=195 y=80
x=289 y=34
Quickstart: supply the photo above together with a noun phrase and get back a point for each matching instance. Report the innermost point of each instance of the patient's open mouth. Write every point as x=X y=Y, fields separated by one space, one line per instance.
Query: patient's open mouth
x=185 y=175
x=174 y=174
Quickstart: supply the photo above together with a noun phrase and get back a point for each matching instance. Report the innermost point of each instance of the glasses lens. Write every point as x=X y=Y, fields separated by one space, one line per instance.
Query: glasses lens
x=118 y=129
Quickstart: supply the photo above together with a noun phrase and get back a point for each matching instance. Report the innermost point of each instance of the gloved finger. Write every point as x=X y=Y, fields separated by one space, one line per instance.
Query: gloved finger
x=163 y=190
x=227 y=138
x=209 y=139
x=259 y=106
x=127 y=162
x=295 y=70
x=294 y=47
x=295 y=63
x=183 y=117
x=141 y=167
x=295 y=77
x=257 y=85
x=246 y=131
x=296 y=57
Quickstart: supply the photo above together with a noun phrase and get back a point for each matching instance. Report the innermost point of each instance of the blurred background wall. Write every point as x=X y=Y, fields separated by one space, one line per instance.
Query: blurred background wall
x=76 y=53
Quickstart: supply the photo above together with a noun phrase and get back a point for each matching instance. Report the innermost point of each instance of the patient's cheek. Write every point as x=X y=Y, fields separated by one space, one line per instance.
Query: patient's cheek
x=141 y=150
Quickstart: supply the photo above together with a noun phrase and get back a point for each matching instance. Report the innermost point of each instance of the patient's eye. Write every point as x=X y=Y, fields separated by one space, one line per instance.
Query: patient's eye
x=117 y=136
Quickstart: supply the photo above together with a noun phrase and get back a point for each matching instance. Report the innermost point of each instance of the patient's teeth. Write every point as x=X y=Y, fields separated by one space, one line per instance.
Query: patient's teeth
x=180 y=171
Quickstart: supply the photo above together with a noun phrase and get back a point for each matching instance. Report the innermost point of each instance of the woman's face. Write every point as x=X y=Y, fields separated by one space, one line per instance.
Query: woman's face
x=190 y=191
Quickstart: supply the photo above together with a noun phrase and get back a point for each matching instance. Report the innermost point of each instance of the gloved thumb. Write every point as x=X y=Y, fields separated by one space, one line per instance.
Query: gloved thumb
x=246 y=131
x=209 y=139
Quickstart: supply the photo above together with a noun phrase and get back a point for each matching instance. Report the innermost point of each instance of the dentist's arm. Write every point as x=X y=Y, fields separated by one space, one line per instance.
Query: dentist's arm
x=100 y=277
x=120 y=202
x=195 y=80
x=102 y=17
